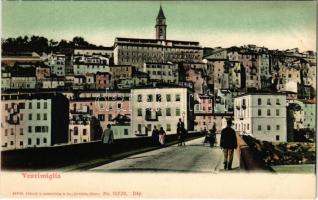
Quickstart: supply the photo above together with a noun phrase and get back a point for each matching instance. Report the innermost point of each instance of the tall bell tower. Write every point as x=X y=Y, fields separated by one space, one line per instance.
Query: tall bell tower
x=161 y=27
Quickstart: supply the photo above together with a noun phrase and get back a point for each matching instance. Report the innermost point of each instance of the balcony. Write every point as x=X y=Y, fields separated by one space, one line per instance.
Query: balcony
x=150 y=116
x=244 y=106
x=13 y=121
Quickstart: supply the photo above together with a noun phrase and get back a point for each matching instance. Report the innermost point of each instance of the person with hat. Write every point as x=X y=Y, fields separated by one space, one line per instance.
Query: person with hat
x=228 y=144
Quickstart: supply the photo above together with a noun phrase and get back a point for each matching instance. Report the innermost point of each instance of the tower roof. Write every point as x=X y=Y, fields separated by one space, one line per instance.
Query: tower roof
x=161 y=15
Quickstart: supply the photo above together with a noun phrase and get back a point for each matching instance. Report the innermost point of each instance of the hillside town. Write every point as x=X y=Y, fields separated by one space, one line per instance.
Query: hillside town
x=69 y=94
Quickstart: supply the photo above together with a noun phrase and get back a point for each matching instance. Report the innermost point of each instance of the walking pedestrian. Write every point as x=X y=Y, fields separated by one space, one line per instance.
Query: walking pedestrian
x=108 y=141
x=155 y=136
x=228 y=144
x=162 y=135
x=213 y=136
x=181 y=132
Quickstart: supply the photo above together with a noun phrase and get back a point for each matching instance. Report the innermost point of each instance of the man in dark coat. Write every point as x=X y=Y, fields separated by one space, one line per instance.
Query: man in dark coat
x=228 y=144
x=155 y=136
x=181 y=132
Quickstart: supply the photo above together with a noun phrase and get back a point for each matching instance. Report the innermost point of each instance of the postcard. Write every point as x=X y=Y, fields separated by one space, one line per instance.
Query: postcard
x=158 y=99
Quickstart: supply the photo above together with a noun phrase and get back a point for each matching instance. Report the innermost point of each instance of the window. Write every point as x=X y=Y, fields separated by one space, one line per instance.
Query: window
x=6 y=132
x=244 y=102
x=37 y=141
x=278 y=127
x=12 y=143
x=139 y=128
x=277 y=112
x=168 y=97
x=139 y=98
x=259 y=100
x=6 y=106
x=268 y=112
x=38 y=116
x=30 y=116
x=75 y=130
x=125 y=131
x=177 y=97
x=259 y=112
x=110 y=117
x=101 y=117
x=268 y=102
x=38 y=129
x=277 y=137
x=268 y=127
x=248 y=126
x=11 y=131
x=38 y=105
x=139 y=112
x=21 y=131
x=29 y=141
x=149 y=127
x=259 y=127
x=75 y=141
x=149 y=98
x=277 y=102
x=21 y=143
x=30 y=129
x=21 y=105
x=45 y=129
x=158 y=97
x=159 y=112
x=168 y=127
x=21 y=117
x=84 y=131
x=44 y=140
x=30 y=105
x=45 y=105
x=44 y=116
x=168 y=111
x=177 y=111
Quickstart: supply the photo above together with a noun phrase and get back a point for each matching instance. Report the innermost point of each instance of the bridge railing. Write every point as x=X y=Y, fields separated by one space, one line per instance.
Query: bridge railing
x=64 y=155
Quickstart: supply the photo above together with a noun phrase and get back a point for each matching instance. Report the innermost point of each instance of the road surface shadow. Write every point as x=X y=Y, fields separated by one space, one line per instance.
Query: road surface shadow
x=130 y=170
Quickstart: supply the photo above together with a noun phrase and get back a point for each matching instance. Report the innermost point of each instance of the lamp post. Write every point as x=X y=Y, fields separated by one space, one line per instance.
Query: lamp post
x=183 y=115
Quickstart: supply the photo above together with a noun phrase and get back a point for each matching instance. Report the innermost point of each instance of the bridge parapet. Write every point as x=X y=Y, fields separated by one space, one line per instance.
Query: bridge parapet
x=249 y=157
x=69 y=154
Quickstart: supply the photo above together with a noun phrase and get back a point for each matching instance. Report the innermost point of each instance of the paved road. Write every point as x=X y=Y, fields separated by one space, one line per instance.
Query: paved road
x=194 y=157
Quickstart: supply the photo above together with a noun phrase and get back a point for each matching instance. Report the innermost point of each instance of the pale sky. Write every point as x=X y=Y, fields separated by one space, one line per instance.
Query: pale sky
x=276 y=25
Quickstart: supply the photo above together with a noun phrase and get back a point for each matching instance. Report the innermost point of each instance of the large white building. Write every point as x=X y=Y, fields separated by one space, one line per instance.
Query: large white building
x=29 y=121
x=262 y=115
x=135 y=51
x=161 y=107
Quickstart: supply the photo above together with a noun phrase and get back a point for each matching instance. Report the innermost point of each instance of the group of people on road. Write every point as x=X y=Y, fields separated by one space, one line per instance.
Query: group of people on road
x=158 y=136
x=228 y=140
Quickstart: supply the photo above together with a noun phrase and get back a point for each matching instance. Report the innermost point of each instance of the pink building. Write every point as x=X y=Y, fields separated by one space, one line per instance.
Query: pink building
x=81 y=129
x=103 y=80
x=104 y=109
x=251 y=64
x=196 y=76
x=42 y=73
x=203 y=112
